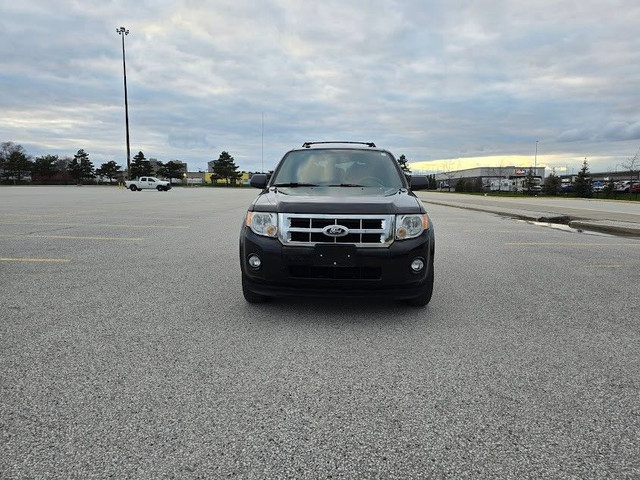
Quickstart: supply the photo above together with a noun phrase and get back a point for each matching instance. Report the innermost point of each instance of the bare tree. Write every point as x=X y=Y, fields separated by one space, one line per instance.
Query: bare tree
x=633 y=165
x=450 y=172
x=498 y=172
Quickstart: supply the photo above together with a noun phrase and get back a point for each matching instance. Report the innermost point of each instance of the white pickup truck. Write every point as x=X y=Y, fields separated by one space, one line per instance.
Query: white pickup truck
x=142 y=183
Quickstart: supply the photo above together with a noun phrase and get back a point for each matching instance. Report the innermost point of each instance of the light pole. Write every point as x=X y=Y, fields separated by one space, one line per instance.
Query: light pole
x=535 y=160
x=122 y=32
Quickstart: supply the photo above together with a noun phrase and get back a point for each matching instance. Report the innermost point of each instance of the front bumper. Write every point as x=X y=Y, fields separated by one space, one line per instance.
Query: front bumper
x=325 y=270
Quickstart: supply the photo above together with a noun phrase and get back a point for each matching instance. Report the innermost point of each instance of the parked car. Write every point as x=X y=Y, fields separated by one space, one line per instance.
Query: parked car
x=151 y=183
x=566 y=188
x=623 y=187
x=635 y=188
x=339 y=220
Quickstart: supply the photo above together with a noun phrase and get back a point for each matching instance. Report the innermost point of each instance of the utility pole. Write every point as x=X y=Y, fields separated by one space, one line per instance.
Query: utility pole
x=122 y=32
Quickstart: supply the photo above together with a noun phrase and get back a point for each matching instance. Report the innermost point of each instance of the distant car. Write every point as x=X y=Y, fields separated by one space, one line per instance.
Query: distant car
x=623 y=187
x=566 y=188
x=144 y=183
x=597 y=186
x=635 y=188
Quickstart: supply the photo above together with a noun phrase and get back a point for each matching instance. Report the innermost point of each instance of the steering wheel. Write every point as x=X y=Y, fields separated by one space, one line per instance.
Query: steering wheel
x=366 y=181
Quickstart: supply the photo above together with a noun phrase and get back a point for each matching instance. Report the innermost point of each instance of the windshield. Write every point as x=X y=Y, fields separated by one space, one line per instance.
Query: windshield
x=339 y=168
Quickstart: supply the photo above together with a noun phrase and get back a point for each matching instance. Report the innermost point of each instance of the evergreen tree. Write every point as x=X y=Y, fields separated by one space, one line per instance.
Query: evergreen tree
x=110 y=170
x=552 y=184
x=226 y=168
x=404 y=165
x=45 y=167
x=140 y=167
x=170 y=170
x=175 y=169
x=529 y=182
x=583 y=182
x=14 y=161
x=81 y=167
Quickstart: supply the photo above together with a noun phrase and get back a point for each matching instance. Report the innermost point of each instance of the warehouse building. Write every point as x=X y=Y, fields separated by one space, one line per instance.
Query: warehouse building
x=509 y=178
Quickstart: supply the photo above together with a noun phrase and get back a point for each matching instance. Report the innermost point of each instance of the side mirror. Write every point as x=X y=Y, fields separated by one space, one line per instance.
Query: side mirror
x=419 y=182
x=258 y=180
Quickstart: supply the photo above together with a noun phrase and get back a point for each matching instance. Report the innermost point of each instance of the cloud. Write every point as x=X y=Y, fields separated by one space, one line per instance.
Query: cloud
x=431 y=80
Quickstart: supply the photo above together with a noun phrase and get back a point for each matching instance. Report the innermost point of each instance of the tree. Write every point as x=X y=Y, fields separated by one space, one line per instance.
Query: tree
x=14 y=161
x=81 y=167
x=529 y=182
x=226 y=168
x=633 y=165
x=170 y=170
x=583 y=182
x=609 y=188
x=140 y=167
x=450 y=173
x=552 y=184
x=62 y=165
x=45 y=167
x=499 y=172
x=110 y=170
x=403 y=162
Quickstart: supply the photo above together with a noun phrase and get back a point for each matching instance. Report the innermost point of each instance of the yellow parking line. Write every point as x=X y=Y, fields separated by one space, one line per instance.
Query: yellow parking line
x=49 y=224
x=40 y=260
x=143 y=226
x=71 y=237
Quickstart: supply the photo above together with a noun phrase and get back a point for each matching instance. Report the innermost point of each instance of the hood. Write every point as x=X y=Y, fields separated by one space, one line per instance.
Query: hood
x=332 y=200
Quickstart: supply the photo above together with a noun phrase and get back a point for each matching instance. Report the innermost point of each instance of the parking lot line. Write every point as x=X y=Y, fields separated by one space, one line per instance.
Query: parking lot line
x=71 y=237
x=594 y=265
x=37 y=260
x=60 y=224
x=569 y=244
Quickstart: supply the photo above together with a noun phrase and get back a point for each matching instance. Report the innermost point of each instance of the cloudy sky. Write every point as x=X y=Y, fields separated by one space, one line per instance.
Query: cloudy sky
x=449 y=84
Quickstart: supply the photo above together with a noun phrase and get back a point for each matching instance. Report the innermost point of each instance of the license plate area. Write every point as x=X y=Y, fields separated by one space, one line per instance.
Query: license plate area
x=335 y=255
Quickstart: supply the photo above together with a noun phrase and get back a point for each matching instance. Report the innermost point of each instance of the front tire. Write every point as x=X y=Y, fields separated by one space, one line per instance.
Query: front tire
x=159 y=187
x=425 y=297
x=249 y=295
x=133 y=188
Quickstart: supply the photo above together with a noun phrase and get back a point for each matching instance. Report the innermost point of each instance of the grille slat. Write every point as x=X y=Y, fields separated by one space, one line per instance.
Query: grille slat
x=363 y=230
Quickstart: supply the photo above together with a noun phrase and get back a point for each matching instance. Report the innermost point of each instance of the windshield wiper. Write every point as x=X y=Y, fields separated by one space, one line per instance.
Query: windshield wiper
x=295 y=184
x=345 y=185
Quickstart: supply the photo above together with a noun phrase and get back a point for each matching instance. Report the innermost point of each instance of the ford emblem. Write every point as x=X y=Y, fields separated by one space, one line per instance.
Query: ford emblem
x=335 y=231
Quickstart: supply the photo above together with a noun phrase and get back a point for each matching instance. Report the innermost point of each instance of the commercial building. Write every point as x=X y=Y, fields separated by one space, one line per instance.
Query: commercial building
x=494 y=178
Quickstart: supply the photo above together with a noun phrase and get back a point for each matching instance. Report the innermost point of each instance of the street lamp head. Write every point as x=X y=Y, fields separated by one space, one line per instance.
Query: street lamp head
x=122 y=30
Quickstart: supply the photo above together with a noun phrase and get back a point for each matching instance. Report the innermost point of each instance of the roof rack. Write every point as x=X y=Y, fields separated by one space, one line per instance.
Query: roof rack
x=368 y=144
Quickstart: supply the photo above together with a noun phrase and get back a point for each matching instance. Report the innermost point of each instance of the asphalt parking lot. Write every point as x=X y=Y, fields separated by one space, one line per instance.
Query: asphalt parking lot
x=127 y=351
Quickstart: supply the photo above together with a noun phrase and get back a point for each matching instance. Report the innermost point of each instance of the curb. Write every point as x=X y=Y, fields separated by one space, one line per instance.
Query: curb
x=614 y=228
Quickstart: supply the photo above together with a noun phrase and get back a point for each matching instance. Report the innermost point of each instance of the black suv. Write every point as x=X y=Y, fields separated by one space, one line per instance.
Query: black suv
x=337 y=219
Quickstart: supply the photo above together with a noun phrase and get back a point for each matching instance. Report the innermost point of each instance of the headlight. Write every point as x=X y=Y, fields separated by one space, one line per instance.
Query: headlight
x=263 y=223
x=411 y=226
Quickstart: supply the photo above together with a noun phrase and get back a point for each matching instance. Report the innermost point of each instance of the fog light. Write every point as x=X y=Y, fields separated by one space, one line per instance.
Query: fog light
x=254 y=261
x=417 y=265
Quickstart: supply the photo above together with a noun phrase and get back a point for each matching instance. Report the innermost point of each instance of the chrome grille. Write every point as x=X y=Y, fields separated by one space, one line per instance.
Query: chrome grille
x=363 y=230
